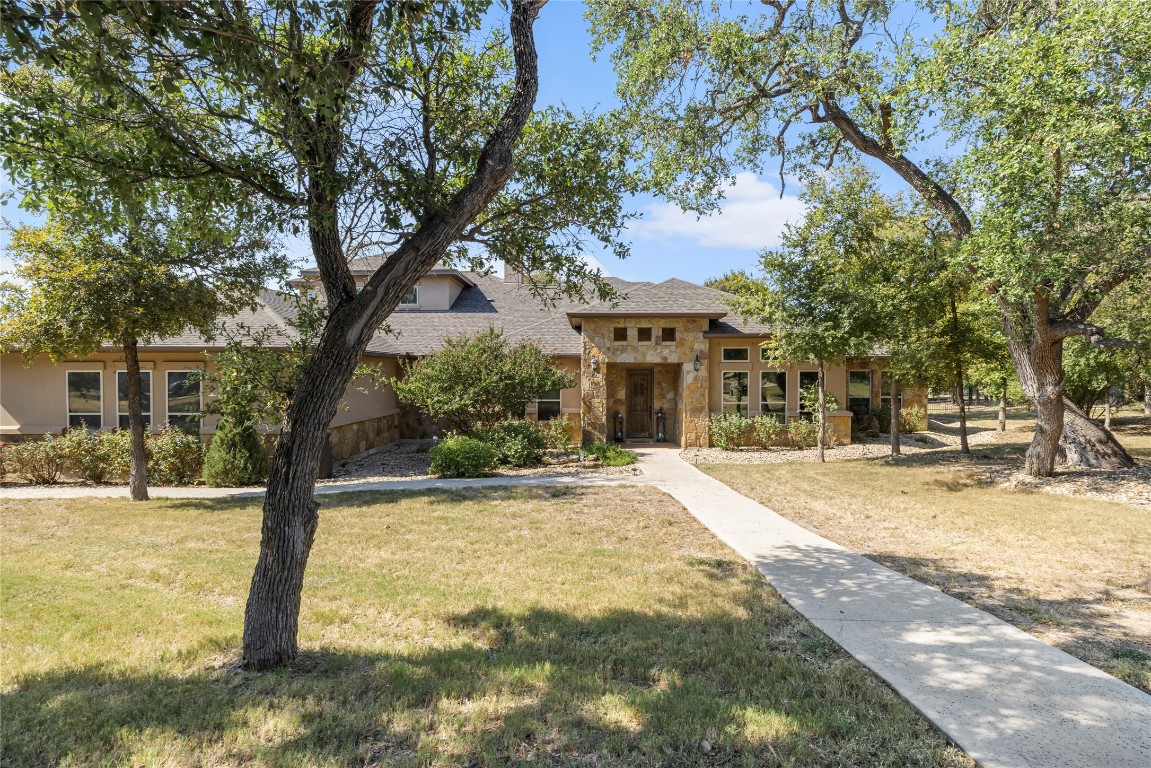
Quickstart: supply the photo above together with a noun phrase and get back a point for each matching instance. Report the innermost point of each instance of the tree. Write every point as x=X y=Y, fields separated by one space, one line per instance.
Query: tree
x=1040 y=97
x=374 y=128
x=478 y=381
x=83 y=290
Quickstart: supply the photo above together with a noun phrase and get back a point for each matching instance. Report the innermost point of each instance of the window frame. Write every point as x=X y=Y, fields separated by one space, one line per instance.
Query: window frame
x=763 y=374
x=725 y=402
x=870 y=382
x=168 y=391
x=724 y=350
x=615 y=334
x=799 y=392
x=124 y=414
x=663 y=334
x=639 y=333
x=558 y=400
x=68 y=398
x=416 y=290
x=887 y=397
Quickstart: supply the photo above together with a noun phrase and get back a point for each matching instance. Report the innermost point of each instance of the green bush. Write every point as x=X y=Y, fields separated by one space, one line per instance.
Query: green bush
x=516 y=443
x=913 y=418
x=460 y=456
x=236 y=455
x=809 y=400
x=610 y=454
x=557 y=433
x=766 y=431
x=37 y=461
x=174 y=457
x=96 y=455
x=729 y=430
x=802 y=433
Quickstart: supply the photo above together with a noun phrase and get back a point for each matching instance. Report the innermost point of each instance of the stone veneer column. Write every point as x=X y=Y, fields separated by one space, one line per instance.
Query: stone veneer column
x=593 y=393
x=693 y=431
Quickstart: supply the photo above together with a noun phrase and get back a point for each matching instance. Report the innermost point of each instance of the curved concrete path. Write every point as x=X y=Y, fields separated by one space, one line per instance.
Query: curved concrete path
x=1004 y=697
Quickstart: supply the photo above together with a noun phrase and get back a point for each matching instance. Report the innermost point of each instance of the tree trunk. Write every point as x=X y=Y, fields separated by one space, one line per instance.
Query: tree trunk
x=963 y=446
x=138 y=468
x=894 y=430
x=1002 y=425
x=821 y=439
x=1107 y=410
x=291 y=513
x=1085 y=444
x=1147 y=398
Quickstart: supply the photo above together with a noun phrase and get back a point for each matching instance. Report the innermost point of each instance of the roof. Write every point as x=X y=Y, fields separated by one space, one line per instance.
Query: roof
x=367 y=266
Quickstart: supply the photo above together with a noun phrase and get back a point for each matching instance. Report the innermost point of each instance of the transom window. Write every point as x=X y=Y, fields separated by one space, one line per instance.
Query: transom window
x=859 y=392
x=643 y=335
x=85 y=396
x=773 y=393
x=736 y=355
x=411 y=298
x=548 y=406
x=735 y=392
x=619 y=334
x=122 y=398
x=184 y=403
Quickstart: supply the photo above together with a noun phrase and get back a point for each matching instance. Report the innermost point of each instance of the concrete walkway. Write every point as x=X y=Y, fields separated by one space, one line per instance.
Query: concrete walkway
x=1006 y=698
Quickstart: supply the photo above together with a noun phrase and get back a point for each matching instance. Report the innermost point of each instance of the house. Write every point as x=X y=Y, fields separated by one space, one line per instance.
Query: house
x=651 y=366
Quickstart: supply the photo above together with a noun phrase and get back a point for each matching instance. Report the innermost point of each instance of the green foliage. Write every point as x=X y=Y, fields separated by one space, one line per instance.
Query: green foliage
x=37 y=461
x=802 y=433
x=236 y=455
x=766 y=431
x=480 y=380
x=96 y=455
x=461 y=456
x=610 y=454
x=174 y=456
x=558 y=433
x=517 y=442
x=809 y=400
x=913 y=418
x=728 y=430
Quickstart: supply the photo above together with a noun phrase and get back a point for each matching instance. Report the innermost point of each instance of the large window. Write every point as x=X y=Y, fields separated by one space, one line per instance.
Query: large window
x=85 y=396
x=808 y=382
x=122 y=398
x=885 y=392
x=735 y=392
x=859 y=392
x=184 y=400
x=773 y=393
x=736 y=355
x=548 y=406
x=411 y=298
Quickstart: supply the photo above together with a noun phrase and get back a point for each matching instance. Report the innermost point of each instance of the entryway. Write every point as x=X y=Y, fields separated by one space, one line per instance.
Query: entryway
x=639 y=404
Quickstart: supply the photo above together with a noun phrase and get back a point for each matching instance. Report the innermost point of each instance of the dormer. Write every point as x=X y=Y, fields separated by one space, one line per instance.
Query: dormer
x=435 y=291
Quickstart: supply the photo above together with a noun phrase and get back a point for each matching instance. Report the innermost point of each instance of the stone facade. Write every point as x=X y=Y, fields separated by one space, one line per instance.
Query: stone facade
x=348 y=440
x=677 y=387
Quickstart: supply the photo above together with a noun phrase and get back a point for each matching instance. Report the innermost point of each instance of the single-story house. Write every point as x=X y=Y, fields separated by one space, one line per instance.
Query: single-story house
x=651 y=366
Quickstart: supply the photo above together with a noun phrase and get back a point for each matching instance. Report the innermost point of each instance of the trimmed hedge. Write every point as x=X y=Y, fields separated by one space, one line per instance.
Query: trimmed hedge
x=460 y=456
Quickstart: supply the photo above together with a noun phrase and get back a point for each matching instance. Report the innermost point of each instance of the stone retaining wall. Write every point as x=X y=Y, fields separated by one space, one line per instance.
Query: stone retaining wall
x=349 y=440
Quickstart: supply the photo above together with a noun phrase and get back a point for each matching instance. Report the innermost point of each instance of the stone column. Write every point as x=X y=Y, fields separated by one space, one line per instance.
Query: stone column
x=693 y=389
x=593 y=394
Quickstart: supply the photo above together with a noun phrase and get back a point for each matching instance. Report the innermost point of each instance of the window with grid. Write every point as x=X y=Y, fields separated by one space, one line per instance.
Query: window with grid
x=184 y=403
x=85 y=396
x=859 y=392
x=735 y=392
x=548 y=406
x=773 y=393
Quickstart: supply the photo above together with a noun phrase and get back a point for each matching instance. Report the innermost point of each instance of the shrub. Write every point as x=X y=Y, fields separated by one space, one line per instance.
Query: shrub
x=766 y=431
x=809 y=400
x=460 y=456
x=865 y=424
x=174 y=456
x=557 y=433
x=802 y=433
x=516 y=443
x=729 y=430
x=96 y=455
x=610 y=454
x=236 y=455
x=37 y=461
x=913 y=418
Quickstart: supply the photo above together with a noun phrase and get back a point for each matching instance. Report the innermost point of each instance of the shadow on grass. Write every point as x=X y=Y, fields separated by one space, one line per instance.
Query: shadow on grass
x=356 y=499
x=552 y=688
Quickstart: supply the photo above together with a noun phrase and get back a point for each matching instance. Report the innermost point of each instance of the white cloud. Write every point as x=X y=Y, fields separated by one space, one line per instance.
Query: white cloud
x=752 y=215
x=595 y=263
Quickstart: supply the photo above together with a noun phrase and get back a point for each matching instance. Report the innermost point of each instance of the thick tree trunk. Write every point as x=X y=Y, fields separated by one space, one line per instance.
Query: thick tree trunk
x=1002 y=425
x=1085 y=444
x=138 y=467
x=1107 y=411
x=291 y=514
x=894 y=430
x=821 y=439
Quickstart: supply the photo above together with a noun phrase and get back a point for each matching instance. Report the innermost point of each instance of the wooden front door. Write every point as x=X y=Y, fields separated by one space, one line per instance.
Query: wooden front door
x=639 y=385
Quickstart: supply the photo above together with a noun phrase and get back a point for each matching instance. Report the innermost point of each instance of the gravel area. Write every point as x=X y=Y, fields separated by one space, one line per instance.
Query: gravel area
x=409 y=461
x=1126 y=486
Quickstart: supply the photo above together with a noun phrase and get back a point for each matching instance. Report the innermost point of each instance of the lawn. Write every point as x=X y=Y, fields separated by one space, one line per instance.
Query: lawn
x=1073 y=571
x=482 y=627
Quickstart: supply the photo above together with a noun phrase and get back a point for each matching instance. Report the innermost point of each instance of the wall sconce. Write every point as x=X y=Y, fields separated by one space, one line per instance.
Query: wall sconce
x=695 y=363
x=594 y=364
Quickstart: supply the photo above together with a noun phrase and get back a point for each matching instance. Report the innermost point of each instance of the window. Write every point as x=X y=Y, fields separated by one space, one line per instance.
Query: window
x=643 y=335
x=667 y=334
x=735 y=355
x=122 y=398
x=735 y=392
x=808 y=382
x=619 y=334
x=411 y=298
x=859 y=392
x=548 y=406
x=885 y=392
x=85 y=396
x=773 y=393
x=765 y=354
x=184 y=400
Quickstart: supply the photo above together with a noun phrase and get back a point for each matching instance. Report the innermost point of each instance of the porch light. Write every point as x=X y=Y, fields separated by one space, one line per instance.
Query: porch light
x=695 y=363
x=594 y=364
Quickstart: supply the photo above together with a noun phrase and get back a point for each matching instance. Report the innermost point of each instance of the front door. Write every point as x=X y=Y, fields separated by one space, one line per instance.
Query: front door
x=639 y=385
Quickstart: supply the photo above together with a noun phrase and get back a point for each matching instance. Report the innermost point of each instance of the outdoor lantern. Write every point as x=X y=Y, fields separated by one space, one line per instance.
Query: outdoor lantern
x=618 y=421
x=661 y=425
x=594 y=364
x=695 y=363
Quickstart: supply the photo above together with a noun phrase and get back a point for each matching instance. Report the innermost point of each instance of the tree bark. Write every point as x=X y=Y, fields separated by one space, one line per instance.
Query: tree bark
x=1107 y=410
x=1002 y=425
x=821 y=438
x=963 y=446
x=1147 y=398
x=138 y=468
x=1085 y=444
x=291 y=513
x=894 y=428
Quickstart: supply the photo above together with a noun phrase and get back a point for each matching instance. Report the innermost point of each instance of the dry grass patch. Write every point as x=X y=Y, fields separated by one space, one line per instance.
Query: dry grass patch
x=487 y=627
x=1074 y=572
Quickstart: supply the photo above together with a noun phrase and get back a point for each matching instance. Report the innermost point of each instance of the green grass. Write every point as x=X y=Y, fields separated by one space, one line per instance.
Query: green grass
x=486 y=627
x=1070 y=570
